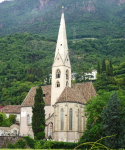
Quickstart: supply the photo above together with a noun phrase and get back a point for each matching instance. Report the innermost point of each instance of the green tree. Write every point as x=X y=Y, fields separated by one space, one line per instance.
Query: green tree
x=1 y=119
x=111 y=121
x=122 y=131
x=98 y=67
x=111 y=68
x=12 y=118
x=4 y=121
x=38 y=118
x=103 y=66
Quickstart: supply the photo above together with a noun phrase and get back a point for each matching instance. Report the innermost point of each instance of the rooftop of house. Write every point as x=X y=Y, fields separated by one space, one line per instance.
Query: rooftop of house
x=1 y=107
x=78 y=93
x=11 y=109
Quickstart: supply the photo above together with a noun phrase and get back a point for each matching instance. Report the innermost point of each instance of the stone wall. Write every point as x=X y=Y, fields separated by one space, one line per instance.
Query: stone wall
x=13 y=130
x=4 y=140
x=78 y=122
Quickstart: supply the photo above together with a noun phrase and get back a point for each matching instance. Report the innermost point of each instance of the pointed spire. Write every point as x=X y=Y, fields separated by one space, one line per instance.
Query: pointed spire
x=62 y=46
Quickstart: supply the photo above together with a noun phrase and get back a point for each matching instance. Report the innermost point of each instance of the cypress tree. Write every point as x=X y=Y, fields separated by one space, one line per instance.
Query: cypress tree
x=111 y=68
x=98 y=67
x=103 y=65
x=111 y=121
x=38 y=118
x=122 y=132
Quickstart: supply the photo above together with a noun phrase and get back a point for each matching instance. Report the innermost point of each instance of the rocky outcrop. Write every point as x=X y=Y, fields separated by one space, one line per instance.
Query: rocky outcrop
x=121 y=2
x=43 y=4
x=1 y=25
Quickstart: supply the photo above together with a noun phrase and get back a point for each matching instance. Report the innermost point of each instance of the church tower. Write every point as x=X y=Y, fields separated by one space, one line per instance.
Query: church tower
x=61 y=68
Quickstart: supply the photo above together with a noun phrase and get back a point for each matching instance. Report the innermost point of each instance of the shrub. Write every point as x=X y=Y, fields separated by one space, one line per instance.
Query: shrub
x=41 y=135
x=12 y=118
x=11 y=146
x=30 y=142
x=48 y=145
x=21 y=143
x=38 y=145
x=58 y=145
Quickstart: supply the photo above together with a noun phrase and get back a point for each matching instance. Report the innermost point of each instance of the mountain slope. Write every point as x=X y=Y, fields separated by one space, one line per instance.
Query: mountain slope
x=26 y=61
x=93 y=18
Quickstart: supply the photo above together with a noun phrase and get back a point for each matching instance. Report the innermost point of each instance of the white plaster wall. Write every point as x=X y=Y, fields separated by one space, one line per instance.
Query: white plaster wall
x=24 y=128
x=23 y=123
x=17 y=118
x=48 y=111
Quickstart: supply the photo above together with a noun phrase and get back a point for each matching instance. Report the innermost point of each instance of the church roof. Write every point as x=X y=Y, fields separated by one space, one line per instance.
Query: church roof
x=71 y=95
x=78 y=93
x=29 y=100
x=86 y=88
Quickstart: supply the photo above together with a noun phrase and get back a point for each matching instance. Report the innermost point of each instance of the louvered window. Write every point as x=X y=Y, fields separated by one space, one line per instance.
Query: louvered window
x=67 y=74
x=58 y=73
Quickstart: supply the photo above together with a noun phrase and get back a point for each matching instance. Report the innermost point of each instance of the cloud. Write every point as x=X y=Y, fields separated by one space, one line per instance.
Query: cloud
x=4 y=0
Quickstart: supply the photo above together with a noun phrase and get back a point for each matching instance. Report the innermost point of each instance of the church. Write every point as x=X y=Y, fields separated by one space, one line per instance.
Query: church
x=64 y=102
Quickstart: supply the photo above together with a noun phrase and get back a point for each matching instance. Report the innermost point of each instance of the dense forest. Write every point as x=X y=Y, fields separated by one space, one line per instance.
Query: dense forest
x=84 y=18
x=26 y=61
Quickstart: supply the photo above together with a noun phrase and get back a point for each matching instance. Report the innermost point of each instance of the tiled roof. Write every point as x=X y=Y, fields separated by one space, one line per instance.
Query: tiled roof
x=1 y=107
x=29 y=100
x=11 y=109
x=79 y=92
x=85 y=88
x=71 y=95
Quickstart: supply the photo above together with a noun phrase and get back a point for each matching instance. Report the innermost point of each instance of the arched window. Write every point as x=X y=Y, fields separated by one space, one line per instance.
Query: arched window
x=67 y=74
x=58 y=84
x=58 y=73
x=62 y=119
x=67 y=83
x=70 y=118
x=28 y=119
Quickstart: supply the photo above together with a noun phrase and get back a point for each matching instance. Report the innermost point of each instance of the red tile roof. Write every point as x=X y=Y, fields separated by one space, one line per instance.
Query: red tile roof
x=1 y=107
x=79 y=92
x=11 y=109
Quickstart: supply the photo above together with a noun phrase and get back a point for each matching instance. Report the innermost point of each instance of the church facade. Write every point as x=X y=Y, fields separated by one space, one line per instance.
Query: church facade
x=64 y=102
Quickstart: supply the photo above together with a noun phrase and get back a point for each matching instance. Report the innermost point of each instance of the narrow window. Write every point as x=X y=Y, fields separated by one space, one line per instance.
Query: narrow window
x=70 y=119
x=58 y=73
x=28 y=119
x=62 y=119
x=78 y=119
x=67 y=74
x=44 y=95
x=58 y=84
x=67 y=83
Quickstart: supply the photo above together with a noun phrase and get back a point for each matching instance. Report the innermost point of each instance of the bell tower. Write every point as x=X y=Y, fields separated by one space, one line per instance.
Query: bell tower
x=61 y=68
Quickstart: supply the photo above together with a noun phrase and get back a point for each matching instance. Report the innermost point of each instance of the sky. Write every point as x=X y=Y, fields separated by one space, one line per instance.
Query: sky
x=1 y=1
x=5 y=0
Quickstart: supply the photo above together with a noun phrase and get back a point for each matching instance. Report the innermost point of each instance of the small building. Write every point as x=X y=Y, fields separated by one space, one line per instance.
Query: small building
x=12 y=109
x=1 y=107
